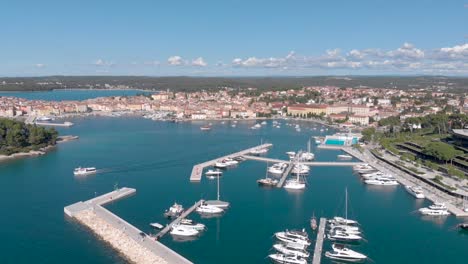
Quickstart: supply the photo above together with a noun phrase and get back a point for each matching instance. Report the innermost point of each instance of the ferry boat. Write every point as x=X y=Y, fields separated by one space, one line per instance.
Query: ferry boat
x=84 y=171
x=174 y=211
x=339 y=252
x=287 y=259
x=416 y=191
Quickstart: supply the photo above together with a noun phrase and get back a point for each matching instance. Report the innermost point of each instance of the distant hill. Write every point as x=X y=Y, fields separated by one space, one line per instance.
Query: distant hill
x=453 y=84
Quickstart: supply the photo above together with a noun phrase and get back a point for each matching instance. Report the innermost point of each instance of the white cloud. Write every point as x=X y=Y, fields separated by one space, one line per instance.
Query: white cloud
x=199 y=62
x=40 y=65
x=175 y=60
x=101 y=62
x=407 y=51
x=453 y=53
x=265 y=62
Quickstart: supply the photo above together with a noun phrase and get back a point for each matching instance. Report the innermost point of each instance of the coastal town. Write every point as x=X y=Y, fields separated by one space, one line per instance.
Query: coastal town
x=348 y=106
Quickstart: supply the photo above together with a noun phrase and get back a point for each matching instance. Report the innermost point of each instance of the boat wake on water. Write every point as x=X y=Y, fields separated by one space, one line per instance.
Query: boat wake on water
x=142 y=167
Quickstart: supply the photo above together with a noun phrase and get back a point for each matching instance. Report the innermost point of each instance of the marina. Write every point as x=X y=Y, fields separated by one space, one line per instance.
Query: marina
x=319 y=241
x=124 y=237
x=197 y=170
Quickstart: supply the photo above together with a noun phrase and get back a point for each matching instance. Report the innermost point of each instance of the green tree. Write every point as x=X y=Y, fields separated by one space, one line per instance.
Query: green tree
x=441 y=151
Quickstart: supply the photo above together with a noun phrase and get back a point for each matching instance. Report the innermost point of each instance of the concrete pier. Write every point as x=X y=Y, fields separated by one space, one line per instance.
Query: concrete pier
x=309 y=163
x=65 y=124
x=177 y=220
x=197 y=170
x=285 y=175
x=128 y=240
x=319 y=242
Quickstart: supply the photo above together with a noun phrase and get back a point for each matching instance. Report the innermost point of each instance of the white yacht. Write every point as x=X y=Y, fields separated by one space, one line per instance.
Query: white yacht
x=213 y=173
x=290 y=250
x=258 y=151
x=383 y=181
x=277 y=168
x=183 y=231
x=437 y=209
x=44 y=118
x=343 y=236
x=291 y=154
x=416 y=191
x=339 y=252
x=174 y=211
x=187 y=223
x=263 y=123
x=228 y=162
x=256 y=126
x=287 y=259
x=300 y=169
x=209 y=209
x=295 y=184
x=372 y=174
x=293 y=238
x=344 y=157
x=345 y=229
x=342 y=221
x=84 y=171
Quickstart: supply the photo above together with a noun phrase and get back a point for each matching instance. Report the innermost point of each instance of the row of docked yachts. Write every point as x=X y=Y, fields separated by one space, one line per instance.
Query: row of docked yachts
x=372 y=176
x=344 y=231
x=291 y=247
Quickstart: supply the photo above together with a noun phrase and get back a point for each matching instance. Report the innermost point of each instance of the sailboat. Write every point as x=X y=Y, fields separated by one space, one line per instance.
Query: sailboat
x=295 y=184
x=307 y=156
x=313 y=222
x=343 y=221
x=217 y=203
x=267 y=182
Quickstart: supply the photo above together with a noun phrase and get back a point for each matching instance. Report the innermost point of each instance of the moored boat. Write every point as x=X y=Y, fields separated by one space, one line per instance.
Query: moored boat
x=416 y=191
x=174 y=211
x=287 y=259
x=339 y=252
x=84 y=171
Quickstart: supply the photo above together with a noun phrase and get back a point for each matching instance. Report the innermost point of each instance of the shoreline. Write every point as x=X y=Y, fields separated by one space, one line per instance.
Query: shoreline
x=77 y=89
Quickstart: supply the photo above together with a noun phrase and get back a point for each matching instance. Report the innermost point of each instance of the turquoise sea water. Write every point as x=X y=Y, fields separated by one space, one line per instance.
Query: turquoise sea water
x=63 y=95
x=156 y=158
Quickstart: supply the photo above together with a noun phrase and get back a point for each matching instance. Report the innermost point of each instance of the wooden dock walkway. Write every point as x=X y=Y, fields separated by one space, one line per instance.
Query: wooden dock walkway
x=130 y=232
x=285 y=174
x=197 y=170
x=319 y=242
x=177 y=220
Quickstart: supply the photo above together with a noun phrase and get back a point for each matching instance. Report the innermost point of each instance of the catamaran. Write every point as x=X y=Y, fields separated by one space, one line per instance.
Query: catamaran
x=339 y=252
x=416 y=191
x=84 y=171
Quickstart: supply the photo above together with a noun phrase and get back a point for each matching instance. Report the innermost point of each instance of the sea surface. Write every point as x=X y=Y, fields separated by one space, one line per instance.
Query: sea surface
x=67 y=95
x=156 y=158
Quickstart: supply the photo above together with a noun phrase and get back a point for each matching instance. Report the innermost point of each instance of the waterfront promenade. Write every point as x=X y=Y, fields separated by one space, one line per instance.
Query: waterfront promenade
x=431 y=193
x=197 y=170
x=128 y=240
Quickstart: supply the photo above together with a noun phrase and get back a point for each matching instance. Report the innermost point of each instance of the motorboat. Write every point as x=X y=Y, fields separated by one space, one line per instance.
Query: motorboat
x=371 y=176
x=300 y=169
x=228 y=162
x=295 y=184
x=156 y=225
x=384 y=181
x=290 y=250
x=213 y=173
x=287 y=259
x=340 y=252
x=306 y=156
x=44 y=118
x=277 y=168
x=313 y=222
x=174 y=211
x=337 y=235
x=291 y=154
x=263 y=123
x=416 y=191
x=183 y=231
x=258 y=151
x=208 y=209
x=205 y=128
x=269 y=182
x=187 y=223
x=294 y=234
x=437 y=209
x=84 y=171
x=344 y=157
x=342 y=221
x=295 y=239
x=463 y=226
x=256 y=126
x=345 y=229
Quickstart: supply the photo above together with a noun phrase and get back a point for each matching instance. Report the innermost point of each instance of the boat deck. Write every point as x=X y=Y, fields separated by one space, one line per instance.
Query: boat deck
x=319 y=242
x=197 y=170
x=186 y=213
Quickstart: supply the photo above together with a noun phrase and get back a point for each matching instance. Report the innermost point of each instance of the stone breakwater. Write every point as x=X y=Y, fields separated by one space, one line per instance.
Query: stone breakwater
x=118 y=239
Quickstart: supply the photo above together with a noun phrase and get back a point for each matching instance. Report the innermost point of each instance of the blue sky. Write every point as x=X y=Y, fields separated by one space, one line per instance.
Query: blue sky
x=223 y=38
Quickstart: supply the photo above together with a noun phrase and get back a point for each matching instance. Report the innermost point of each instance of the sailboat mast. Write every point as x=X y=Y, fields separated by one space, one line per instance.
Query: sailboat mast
x=218 y=187
x=308 y=146
x=346 y=203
